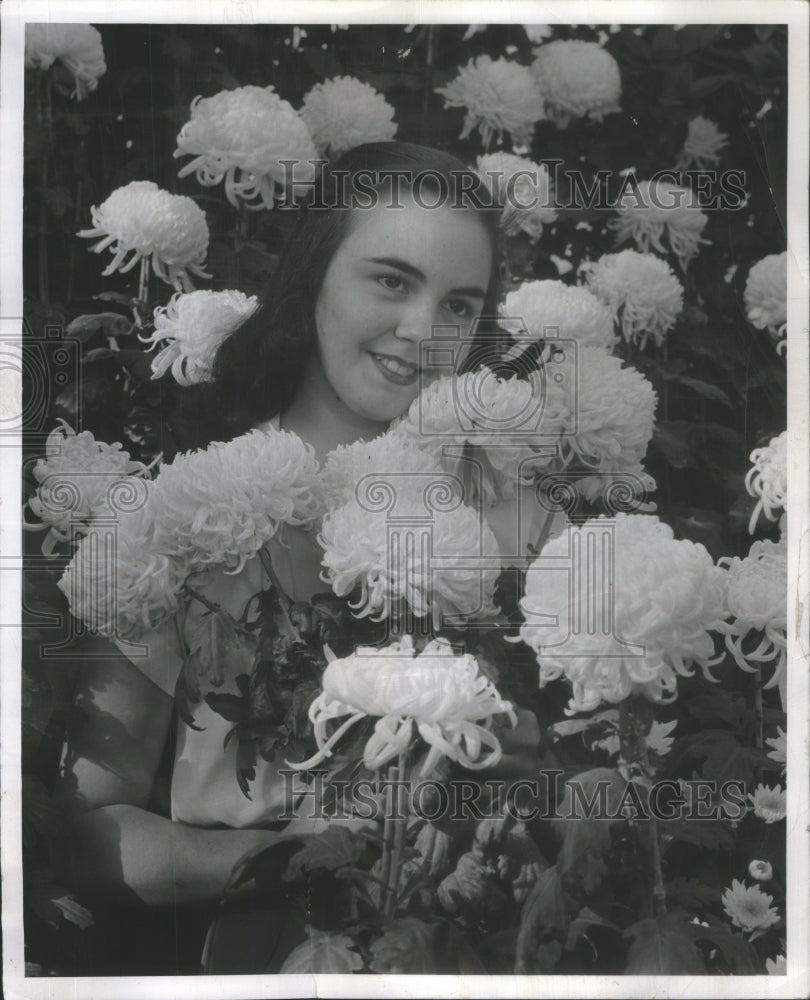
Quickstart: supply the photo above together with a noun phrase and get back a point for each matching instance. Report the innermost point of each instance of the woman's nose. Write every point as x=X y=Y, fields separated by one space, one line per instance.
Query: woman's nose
x=415 y=322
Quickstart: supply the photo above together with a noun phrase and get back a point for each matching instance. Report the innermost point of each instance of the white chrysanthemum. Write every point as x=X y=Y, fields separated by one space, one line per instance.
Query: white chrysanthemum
x=74 y=481
x=145 y=221
x=769 y=803
x=778 y=745
x=652 y=603
x=767 y=479
x=703 y=144
x=523 y=187
x=343 y=112
x=242 y=135
x=756 y=601
x=538 y=33
x=499 y=95
x=195 y=324
x=641 y=290
x=513 y=424
x=220 y=505
x=120 y=582
x=553 y=309
x=612 y=413
x=392 y=456
x=776 y=966
x=762 y=871
x=748 y=907
x=577 y=79
x=660 y=210
x=766 y=294
x=443 y=695
x=78 y=46
x=431 y=562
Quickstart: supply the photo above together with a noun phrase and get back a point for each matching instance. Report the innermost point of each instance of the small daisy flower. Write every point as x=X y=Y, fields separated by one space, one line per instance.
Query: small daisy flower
x=769 y=804
x=749 y=907
x=140 y=221
x=762 y=871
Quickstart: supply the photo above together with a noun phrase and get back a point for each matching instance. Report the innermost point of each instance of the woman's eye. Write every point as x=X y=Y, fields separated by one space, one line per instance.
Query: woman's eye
x=459 y=307
x=392 y=282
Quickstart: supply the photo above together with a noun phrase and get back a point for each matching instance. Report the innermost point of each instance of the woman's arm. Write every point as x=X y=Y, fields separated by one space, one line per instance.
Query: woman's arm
x=116 y=734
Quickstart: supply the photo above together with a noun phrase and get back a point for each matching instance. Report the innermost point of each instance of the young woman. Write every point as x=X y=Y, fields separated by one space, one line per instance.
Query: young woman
x=332 y=355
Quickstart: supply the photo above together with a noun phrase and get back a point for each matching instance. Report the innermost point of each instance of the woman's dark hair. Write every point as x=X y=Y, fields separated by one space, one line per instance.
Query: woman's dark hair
x=257 y=370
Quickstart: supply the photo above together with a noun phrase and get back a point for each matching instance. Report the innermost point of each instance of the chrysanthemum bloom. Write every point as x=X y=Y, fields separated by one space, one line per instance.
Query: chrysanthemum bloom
x=612 y=413
x=523 y=187
x=242 y=135
x=119 y=581
x=514 y=425
x=748 y=907
x=443 y=695
x=756 y=601
x=637 y=621
x=343 y=112
x=538 y=33
x=323 y=952
x=577 y=79
x=430 y=561
x=769 y=804
x=767 y=479
x=703 y=144
x=220 y=505
x=194 y=325
x=640 y=289
x=776 y=966
x=499 y=95
x=765 y=294
x=75 y=477
x=778 y=745
x=392 y=455
x=659 y=211
x=553 y=309
x=78 y=46
x=143 y=220
x=762 y=871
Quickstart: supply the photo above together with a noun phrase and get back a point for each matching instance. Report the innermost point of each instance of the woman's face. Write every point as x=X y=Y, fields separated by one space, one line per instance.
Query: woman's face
x=398 y=273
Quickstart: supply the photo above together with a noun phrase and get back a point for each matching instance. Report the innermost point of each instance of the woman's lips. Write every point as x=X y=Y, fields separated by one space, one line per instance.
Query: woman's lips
x=395 y=369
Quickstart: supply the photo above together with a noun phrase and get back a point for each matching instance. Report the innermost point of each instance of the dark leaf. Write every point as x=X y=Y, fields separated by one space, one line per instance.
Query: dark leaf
x=107 y=324
x=265 y=867
x=704 y=389
x=231 y=707
x=671 y=437
x=710 y=834
x=544 y=917
x=740 y=955
x=662 y=947
x=690 y=893
x=332 y=849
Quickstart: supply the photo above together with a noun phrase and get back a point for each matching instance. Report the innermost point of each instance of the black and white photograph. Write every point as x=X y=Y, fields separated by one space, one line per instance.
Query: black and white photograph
x=404 y=524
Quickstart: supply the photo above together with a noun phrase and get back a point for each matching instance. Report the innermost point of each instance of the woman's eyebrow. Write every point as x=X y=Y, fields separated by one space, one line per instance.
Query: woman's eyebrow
x=471 y=291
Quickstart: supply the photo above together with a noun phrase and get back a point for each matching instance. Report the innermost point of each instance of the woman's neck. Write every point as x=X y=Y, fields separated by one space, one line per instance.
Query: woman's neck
x=320 y=418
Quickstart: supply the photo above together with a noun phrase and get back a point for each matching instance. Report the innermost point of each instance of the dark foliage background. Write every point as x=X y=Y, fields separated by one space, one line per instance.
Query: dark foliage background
x=721 y=384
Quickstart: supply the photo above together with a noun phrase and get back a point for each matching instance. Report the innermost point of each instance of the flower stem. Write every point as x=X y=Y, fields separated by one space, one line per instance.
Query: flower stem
x=44 y=114
x=400 y=823
x=430 y=59
x=202 y=599
x=758 y=719
x=388 y=842
x=283 y=599
x=143 y=291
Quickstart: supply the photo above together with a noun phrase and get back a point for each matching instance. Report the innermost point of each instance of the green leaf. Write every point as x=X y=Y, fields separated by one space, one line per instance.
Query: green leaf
x=323 y=953
x=662 y=947
x=691 y=893
x=740 y=955
x=329 y=850
x=672 y=438
x=232 y=707
x=709 y=834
